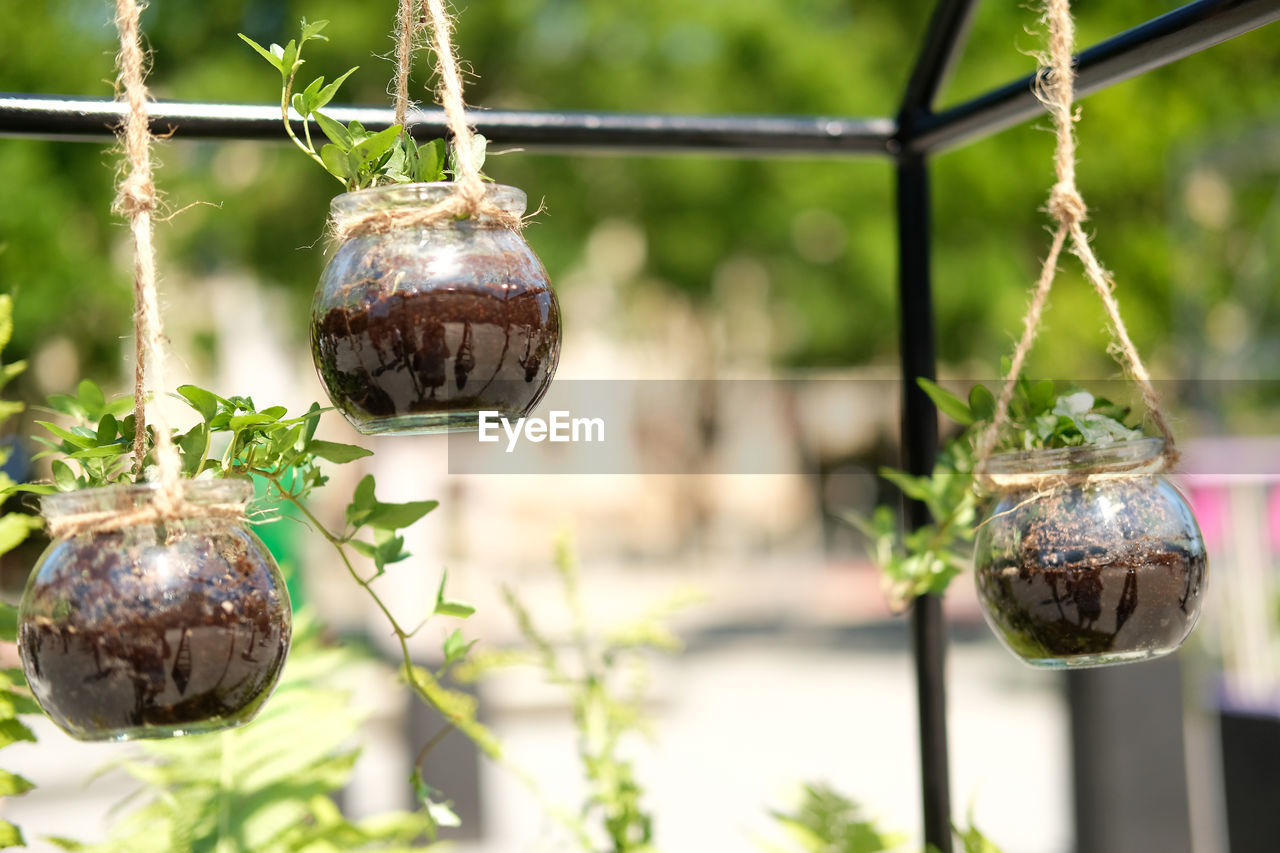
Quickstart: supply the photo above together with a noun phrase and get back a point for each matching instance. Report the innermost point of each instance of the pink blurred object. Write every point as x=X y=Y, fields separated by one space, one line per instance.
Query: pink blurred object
x=1273 y=520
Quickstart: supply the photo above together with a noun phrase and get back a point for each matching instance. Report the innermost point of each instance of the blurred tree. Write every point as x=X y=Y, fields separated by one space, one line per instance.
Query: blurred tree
x=821 y=230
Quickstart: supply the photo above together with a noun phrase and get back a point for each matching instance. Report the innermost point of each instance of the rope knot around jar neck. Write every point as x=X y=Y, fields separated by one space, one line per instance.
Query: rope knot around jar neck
x=1066 y=205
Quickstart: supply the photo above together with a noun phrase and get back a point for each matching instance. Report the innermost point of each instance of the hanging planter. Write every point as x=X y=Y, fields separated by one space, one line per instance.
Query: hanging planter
x=1088 y=556
x=155 y=612
x=433 y=308
x=153 y=629
x=419 y=327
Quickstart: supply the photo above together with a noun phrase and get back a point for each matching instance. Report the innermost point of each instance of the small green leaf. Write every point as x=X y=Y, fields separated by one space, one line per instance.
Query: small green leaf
x=91 y=396
x=72 y=438
x=325 y=95
x=982 y=403
x=363 y=497
x=337 y=134
x=445 y=607
x=12 y=731
x=370 y=149
x=335 y=160
x=253 y=419
x=336 y=452
x=15 y=527
x=456 y=647
x=8 y=622
x=11 y=836
x=916 y=488
x=204 y=402
x=289 y=57
x=11 y=784
x=266 y=54
x=6 y=319
x=108 y=429
x=194 y=446
x=63 y=476
x=312 y=30
x=431 y=159
x=949 y=404
x=364 y=548
x=397 y=516
x=312 y=420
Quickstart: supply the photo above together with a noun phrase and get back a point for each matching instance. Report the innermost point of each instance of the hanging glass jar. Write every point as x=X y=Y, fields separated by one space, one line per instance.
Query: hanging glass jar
x=419 y=328
x=155 y=629
x=1088 y=557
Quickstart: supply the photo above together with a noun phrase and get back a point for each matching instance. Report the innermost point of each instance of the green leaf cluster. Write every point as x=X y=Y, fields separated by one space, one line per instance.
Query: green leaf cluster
x=268 y=787
x=825 y=821
x=1041 y=416
x=14 y=529
x=602 y=677
x=356 y=156
x=14 y=526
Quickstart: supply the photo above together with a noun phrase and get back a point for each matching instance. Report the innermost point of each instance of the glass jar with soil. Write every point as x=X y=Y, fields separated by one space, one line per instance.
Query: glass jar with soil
x=1088 y=557
x=419 y=328
x=153 y=629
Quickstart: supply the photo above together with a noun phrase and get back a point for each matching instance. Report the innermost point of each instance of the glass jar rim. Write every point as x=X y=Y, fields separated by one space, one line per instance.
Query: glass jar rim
x=512 y=200
x=1065 y=460
x=123 y=497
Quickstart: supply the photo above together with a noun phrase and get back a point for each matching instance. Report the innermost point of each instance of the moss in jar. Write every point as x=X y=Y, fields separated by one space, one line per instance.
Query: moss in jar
x=1091 y=575
x=154 y=631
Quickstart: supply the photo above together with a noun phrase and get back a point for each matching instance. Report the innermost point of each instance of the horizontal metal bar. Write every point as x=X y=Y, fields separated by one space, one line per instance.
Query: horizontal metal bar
x=1158 y=42
x=57 y=117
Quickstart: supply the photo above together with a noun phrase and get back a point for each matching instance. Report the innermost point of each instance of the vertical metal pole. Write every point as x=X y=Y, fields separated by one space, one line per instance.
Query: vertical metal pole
x=919 y=447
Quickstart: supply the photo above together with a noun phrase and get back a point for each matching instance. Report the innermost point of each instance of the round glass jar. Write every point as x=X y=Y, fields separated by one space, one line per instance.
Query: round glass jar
x=156 y=629
x=1088 y=558
x=420 y=328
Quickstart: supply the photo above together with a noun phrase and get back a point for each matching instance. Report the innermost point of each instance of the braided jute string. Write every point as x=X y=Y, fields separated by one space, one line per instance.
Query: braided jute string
x=1055 y=88
x=136 y=198
x=468 y=198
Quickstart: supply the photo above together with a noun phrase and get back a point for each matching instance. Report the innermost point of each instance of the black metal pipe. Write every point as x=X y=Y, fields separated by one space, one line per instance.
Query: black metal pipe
x=943 y=43
x=59 y=117
x=919 y=448
x=1157 y=42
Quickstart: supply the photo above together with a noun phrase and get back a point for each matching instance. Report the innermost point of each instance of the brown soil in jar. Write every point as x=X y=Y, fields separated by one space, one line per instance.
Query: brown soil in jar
x=1059 y=599
x=128 y=639
x=475 y=346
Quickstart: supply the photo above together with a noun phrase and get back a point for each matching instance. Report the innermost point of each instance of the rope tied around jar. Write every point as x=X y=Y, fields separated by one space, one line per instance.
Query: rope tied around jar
x=469 y=196
x=1055 y=89
x=137 y=199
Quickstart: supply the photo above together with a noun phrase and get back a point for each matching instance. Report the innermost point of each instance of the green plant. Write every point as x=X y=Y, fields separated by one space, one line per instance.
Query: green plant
x=826 y=821
x=14 y=529
x=232 y=437
x=356 y=157
x=602 y=677
x=267 y=787
x=1040 y=417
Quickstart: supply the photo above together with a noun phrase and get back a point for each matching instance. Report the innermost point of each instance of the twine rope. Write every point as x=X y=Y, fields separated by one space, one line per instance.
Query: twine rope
x=1055 y=87
x=406 y=30
x=468 y=199
x=136 y=198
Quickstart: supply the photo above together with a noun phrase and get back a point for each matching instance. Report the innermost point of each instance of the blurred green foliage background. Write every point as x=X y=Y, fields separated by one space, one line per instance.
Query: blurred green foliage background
x=821 y=230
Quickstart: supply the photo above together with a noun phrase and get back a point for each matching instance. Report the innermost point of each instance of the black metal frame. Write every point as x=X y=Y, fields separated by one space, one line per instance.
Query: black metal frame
x=910 y=139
